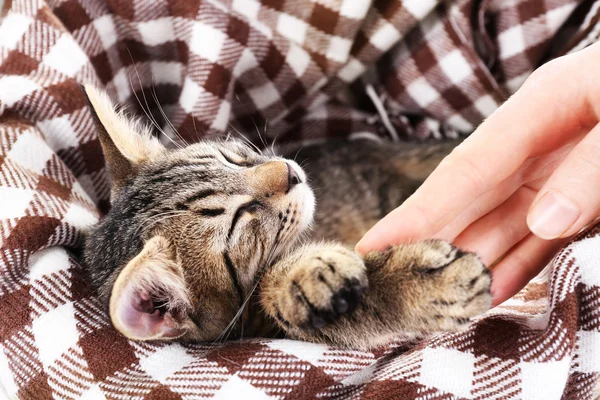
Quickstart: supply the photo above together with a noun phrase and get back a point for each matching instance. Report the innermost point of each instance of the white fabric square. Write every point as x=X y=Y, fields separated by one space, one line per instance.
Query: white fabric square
x=106 y=30
x=586 y=252
x=486 y=105
x=207 y=41
x=55 y=332
x=339 y=48
x=292 y=28
x=246 y=62
x=556 y=17
x=448 y=370
x=352 y=70
x=12 y=29
x=48 y=261
x=93 y=393
x=362 y=376
x=309 y=352
x=59 y=133
x=588 y=351
x=66 y=56
x=511 y=42
x=80 y=217
x=459 y=123
x=222 y=118
x=544 y=381
x=163 y=363
x=422 y=92
x=419 y=8
x=122 y=85
x=298 y=59
x=385 y=37
x=455 y=67
x=14 y=88
x=237 y=388
x=157 y=31
x=14 y=201
x=190 y=93
x=355 y=9
x=248 y=8
x=31 y=152
x=166 y=72
x=265 y=95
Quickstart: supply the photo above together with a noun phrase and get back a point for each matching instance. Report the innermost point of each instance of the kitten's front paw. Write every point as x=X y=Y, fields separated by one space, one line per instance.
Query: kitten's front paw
x=321 y=288
x=460 y=285
x=442 y=287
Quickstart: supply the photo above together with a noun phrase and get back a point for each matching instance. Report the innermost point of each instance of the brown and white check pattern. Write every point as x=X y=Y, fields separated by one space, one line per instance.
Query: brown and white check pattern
x=310 y=69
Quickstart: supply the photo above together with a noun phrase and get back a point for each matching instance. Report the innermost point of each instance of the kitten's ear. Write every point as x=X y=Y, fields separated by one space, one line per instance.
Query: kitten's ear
x=149 y=300
x=126 y=143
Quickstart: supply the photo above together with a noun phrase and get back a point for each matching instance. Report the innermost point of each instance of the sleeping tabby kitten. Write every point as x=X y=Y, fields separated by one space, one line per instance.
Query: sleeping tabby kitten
x=203 y=243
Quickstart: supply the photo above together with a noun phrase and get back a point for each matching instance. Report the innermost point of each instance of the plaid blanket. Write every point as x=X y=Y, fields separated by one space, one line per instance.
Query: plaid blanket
x=307 y=69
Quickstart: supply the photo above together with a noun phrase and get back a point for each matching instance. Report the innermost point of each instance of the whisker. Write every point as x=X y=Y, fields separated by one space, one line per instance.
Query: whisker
x=246 y=139
x=177 y=134
x=228 y=329
x=298 y=152
x=147 y=113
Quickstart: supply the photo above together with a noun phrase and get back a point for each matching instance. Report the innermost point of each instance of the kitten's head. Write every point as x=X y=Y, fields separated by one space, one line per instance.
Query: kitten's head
x=189 y=229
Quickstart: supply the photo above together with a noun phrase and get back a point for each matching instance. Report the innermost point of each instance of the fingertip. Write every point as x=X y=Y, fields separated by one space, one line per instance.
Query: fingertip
x=499 y=291
x=364 y=245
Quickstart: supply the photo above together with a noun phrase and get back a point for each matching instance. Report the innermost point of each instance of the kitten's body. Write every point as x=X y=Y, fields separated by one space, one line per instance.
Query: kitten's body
x=201 y=243
x=358 y=182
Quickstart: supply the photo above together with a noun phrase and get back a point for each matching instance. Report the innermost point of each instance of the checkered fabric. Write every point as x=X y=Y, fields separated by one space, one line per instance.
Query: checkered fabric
x=308 y=69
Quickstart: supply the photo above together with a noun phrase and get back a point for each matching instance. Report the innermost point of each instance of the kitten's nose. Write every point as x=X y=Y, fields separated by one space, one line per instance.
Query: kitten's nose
x=274 y=177
x=293 y=177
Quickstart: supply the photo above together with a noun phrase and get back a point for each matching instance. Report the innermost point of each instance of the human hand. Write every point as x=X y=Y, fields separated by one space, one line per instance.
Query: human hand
x=523 y=183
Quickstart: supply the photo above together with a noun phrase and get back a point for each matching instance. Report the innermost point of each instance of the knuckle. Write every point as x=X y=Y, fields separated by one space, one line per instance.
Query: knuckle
x=589 y=156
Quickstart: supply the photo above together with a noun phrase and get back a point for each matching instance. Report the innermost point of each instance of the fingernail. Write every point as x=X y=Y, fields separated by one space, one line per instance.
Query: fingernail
x=552 y=215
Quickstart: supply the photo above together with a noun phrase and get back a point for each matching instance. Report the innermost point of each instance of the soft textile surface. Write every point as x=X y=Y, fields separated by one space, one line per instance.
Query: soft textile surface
x=308 y=69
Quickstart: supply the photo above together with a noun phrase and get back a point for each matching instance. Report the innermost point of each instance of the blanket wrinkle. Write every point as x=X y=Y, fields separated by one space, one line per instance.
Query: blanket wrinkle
x=200 y=68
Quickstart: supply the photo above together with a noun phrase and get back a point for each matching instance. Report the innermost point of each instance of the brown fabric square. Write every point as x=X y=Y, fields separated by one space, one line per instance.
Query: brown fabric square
x=184 y=8
x=98 y=345
x=272 y=62
x=18 y=63
x=72 y=14
x=102 y=66
x=218 y=80
x=324 y=18
x=11 y=309
x=238 y=30
x=67 y=96
x=529 y=10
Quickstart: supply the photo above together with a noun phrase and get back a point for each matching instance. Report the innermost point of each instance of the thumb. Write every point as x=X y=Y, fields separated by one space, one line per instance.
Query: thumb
x=570 y=199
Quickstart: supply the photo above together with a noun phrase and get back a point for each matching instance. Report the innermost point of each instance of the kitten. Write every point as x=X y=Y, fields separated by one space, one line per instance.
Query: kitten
x=202 y=243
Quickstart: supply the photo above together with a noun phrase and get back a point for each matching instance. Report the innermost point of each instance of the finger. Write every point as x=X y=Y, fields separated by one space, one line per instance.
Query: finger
x=529 y=124
x=570 y=199
x=479 y=208
x=521 y=265
x=497 y=232
x=534 y=173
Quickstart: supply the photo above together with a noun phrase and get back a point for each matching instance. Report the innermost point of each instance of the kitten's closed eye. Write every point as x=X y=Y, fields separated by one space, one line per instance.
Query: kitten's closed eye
x=237 y=160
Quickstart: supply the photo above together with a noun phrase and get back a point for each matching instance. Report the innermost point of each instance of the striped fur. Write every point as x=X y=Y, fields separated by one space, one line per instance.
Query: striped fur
x=226 y=219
